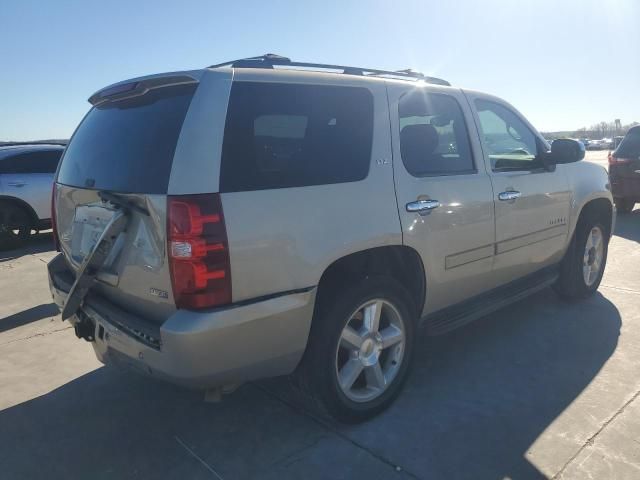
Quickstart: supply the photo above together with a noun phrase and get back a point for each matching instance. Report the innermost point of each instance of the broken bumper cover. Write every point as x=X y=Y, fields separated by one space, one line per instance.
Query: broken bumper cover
x=198 y=349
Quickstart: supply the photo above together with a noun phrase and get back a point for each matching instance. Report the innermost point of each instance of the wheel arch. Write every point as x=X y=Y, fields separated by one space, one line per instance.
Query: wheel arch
x=400 y=262
x=5 y=199
x=600 y=207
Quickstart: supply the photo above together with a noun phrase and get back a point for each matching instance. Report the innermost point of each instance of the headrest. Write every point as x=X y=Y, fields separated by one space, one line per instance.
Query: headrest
x=417 y=143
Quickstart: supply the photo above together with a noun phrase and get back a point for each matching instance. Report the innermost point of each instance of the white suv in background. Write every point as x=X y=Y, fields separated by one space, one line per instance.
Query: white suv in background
x=26 y=179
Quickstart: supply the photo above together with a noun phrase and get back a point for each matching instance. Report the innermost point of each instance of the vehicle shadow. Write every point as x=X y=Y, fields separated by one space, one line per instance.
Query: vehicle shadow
x=628 y=225
x=479 y=397
x=38 y=243
x=29 y=315
x=477 y=400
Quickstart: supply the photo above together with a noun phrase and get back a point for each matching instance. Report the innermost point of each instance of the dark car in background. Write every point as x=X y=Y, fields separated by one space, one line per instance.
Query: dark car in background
x=596 y=145
x=26 y=180
x=624 y=171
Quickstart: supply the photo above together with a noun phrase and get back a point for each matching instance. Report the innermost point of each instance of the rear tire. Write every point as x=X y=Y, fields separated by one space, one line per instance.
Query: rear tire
x=15 y=226
x=584 y=262
x=624 y=205
x=354 y=383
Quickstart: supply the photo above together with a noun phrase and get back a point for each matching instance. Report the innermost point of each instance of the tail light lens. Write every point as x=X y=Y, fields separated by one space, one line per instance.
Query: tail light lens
x=54 y=227
x=198 y=251
x=613 y=160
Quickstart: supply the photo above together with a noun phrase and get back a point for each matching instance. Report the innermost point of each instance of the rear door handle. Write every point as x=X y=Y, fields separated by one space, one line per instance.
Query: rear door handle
x=18 y=183
x=422 y=206
x=509 y=195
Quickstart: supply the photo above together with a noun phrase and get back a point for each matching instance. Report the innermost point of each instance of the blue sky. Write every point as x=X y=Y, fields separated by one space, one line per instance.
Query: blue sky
x=564 y=63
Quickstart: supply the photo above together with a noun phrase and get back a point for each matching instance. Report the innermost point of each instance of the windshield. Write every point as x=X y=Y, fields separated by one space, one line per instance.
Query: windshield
x=127 y=146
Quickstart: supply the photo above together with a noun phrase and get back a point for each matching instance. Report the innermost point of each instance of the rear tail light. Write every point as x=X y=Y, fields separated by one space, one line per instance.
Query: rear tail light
x=613 y=160
x=56 y=242
x=198 y=251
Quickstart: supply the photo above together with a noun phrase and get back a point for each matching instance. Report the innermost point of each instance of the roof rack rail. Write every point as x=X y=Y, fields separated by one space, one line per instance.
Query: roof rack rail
x=271 y=60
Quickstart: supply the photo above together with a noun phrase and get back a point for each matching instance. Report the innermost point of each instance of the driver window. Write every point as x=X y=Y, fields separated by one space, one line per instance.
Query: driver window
x=510 y=143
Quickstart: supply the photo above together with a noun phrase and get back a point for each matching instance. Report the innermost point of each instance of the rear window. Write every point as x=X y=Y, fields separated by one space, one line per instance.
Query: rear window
x=31 y=162
x=630 y=145
x=283 y=135
x=128 y=145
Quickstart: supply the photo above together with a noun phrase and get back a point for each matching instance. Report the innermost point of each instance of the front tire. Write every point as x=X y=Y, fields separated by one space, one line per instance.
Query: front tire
x=360 y=349
x=584 y=263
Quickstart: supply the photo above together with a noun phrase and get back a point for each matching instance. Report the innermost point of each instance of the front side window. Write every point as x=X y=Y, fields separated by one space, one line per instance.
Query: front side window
x=287 y=135
x=433 y=135
x=510 y=143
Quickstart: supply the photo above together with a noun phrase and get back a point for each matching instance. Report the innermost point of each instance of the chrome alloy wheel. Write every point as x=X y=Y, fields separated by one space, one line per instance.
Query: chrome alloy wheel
x=593 y=255
x=370 y=350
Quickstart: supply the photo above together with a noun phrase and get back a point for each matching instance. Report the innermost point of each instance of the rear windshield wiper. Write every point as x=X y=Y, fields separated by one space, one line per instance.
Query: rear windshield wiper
x=122 y=202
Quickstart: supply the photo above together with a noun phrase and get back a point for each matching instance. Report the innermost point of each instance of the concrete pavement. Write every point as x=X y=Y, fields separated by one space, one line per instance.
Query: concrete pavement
x=597 y=156
x=541 y=389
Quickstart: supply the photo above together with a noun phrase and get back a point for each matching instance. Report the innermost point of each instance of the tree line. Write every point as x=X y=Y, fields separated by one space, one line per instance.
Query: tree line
x=594 y=132
x=603 y=130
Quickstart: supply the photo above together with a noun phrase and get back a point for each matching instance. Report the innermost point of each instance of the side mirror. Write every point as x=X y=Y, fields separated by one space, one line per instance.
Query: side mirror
x=566 y=150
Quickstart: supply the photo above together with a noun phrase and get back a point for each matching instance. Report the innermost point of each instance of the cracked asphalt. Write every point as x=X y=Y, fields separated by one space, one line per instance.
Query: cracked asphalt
x=541 y=389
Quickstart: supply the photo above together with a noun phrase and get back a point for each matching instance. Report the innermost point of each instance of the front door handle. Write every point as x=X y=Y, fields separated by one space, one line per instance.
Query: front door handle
x=18 y=183
x=422 y=206
x=509 y=195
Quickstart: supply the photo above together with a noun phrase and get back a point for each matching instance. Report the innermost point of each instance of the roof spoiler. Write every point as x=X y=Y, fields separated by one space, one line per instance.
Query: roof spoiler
x=136 y=88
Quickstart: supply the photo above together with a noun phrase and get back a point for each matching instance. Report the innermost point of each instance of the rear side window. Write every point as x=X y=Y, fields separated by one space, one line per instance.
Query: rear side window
x=128 y=145
x=433 y=135
x=630 y=145
x=284 y=135
x=31 y=162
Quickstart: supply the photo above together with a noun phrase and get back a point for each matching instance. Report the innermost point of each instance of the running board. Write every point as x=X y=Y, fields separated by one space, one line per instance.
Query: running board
x=456 y=316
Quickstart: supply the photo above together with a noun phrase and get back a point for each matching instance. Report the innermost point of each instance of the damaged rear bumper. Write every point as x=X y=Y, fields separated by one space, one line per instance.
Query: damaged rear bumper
x=198 y=349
